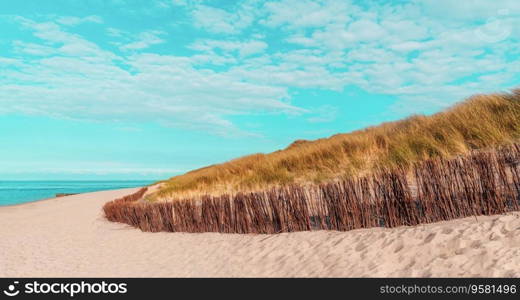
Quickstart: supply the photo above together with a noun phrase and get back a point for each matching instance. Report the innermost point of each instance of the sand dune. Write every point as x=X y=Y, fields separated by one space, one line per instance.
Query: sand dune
x=68 y=237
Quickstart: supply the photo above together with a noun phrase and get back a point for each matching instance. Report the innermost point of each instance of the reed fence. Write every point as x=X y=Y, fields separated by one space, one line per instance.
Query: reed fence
x=480 y=183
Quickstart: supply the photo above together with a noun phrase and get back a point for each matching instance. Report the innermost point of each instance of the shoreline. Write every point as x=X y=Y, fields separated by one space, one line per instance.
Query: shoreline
x=55 y=196
x=69 y=237
x=29 y=203
x=61 y=197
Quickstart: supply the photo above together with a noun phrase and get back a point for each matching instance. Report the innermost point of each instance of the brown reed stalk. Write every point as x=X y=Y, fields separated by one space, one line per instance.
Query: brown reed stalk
x=481 y=183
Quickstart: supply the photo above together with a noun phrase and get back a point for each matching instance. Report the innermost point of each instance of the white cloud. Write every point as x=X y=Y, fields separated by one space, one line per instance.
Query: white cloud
x=448 y=53
x=6 y=61
x=33 y=49
x=81 y=81
x=245 y=48
x=144 y=40
x=469 y=9
x=114 y=32
x=73 y=21
x=408 y=46
x=63 y=42
x=249 y=59
x=399 y=28
x=307 y=13
x=365 y=31
x=302 y=40
x=217 y=20
x=180 y=2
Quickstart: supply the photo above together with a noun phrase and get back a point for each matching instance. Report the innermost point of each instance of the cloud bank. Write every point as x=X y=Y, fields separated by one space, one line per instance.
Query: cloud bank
x=246 y=58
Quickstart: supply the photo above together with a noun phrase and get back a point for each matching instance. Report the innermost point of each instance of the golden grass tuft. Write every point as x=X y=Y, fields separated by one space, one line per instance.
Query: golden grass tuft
x=481 y=121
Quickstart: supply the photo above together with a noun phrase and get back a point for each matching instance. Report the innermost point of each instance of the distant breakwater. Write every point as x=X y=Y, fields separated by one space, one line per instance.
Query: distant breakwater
x=479 y=183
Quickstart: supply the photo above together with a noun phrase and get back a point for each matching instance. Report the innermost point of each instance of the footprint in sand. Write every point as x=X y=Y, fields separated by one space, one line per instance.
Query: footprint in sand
x=410 y=264
x=494 y=236
x=444 y=256
x=460 y=251
x=399 y=247
x=476 y=244
x=447 y=231
x=504 y=230
x=360 y=247
x=429 y=238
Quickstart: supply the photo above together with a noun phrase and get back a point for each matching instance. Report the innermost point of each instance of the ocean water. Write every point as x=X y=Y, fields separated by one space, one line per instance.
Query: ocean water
x=16 y=192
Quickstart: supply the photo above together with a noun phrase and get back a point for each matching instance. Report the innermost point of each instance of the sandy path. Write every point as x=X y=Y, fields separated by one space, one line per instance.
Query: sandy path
x=68 y=237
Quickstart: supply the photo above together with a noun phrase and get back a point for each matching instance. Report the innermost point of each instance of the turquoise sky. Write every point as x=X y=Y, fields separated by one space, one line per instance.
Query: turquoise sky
x=135 y=89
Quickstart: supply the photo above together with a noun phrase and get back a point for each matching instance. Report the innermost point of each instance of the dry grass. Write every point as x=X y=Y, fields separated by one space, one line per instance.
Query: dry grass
x=482 y=121
x=479 y=183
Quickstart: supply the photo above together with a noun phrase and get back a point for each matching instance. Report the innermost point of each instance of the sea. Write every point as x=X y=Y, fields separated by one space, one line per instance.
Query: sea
x=16 y=192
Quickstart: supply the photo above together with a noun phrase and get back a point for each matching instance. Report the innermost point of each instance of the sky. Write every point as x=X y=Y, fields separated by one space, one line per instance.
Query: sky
x=148 y=89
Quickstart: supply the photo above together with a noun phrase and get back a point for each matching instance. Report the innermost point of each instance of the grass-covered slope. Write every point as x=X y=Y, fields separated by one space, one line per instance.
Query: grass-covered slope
x=479 y=122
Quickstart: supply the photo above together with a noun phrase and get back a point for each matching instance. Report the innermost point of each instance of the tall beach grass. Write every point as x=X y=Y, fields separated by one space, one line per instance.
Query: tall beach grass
x=479 y=183
x=480 y=122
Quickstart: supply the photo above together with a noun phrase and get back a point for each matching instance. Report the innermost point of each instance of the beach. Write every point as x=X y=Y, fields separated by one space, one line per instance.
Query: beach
x=69 y=237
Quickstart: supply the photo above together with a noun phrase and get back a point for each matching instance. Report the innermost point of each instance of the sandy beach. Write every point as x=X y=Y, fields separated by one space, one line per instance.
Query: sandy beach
x=68 y=237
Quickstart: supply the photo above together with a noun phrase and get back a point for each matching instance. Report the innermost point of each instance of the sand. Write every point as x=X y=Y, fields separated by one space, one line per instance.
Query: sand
x=68 y=237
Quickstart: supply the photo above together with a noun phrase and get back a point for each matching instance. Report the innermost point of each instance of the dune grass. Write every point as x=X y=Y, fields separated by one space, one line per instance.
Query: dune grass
x=478 y=183
x=479 y=122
